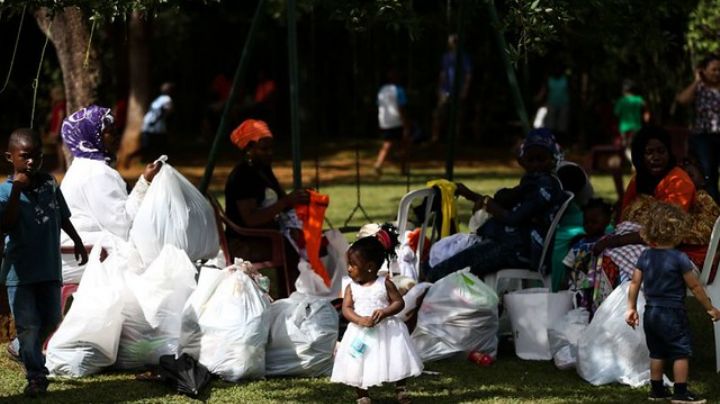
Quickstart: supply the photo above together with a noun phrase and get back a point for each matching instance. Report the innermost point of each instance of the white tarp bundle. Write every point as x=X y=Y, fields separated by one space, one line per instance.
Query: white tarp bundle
x=174 y=212
x=226 y=323
x=459 y=314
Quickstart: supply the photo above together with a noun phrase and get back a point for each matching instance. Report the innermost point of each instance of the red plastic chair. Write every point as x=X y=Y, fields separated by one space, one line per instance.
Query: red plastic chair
x=286 y=281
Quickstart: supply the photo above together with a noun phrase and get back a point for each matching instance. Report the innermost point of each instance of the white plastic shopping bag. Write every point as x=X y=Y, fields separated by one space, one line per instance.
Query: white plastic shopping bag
x=152 y=309
x=226 y=323
x=303 y=334
x=609 y=350
x=310 y=283
x=459 y=314
x=531 y=312
x=87 y=339
x=563 y=336
x=174 y=212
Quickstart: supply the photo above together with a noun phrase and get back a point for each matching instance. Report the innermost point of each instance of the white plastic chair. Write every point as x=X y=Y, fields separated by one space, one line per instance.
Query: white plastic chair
x=404 y=212
x=712 y=250
x=493 y=279
x=713 y=290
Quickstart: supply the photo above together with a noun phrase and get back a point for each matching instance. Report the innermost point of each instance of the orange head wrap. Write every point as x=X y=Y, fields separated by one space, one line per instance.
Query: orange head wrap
x=251 y=130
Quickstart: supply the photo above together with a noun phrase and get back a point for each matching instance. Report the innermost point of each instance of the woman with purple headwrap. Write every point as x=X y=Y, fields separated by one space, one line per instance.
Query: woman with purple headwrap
x=95 y=192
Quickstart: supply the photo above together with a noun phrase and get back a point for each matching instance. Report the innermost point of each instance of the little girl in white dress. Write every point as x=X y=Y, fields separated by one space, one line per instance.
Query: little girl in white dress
x=376 y=347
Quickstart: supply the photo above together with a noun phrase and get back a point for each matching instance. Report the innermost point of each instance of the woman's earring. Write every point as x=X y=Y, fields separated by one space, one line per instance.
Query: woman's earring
x=369 y=270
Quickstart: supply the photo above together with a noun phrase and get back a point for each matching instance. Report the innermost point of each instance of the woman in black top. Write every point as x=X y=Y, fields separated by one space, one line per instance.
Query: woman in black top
x=253 y=196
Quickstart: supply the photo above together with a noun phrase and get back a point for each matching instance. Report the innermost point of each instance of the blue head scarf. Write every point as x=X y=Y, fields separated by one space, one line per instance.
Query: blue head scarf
x=82 y=132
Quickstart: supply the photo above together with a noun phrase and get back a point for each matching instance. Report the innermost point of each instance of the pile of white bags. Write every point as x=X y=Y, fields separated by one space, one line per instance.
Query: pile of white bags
x=459 y=314
x=531 y=312
x=225 y=323
x=87 y=340
x=174 y=212
x=609 y=350
x=563 y=337
x=152 y=309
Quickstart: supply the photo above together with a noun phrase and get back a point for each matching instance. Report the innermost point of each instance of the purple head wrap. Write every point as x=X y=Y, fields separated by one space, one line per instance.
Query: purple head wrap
x=82 y=132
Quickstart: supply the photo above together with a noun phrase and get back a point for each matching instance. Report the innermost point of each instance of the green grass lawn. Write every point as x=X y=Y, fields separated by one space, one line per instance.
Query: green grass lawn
x=509 y=380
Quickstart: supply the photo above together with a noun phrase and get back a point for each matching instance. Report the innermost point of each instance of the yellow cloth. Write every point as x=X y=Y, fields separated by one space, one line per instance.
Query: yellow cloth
x=448 y=205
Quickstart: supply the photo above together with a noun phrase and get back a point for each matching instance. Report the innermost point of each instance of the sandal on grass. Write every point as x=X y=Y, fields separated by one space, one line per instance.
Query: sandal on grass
x=402 y=396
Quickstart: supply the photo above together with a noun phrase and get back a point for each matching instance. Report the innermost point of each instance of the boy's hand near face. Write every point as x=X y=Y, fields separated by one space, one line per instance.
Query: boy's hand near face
x=21 y=180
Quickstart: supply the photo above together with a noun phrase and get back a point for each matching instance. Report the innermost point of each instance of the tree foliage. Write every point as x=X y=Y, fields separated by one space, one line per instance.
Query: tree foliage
x=703 y=36
x=533 y=25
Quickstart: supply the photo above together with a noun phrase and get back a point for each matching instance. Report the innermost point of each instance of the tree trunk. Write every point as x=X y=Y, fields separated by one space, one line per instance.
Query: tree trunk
x=79 y=60
x=139 y=93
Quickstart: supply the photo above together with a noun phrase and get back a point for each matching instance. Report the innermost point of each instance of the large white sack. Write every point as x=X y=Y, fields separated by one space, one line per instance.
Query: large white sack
x=531 y=312
x=563 y=336
x=459 y=314
x=226 y=324
x=153 y=309
x=609 y=350
x=449 y=246
x=174 y=212
x=303 y=334
x=87 y=339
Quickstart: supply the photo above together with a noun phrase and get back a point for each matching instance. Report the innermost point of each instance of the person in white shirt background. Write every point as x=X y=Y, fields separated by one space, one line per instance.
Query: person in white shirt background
x=393 y=121
x=155 y=128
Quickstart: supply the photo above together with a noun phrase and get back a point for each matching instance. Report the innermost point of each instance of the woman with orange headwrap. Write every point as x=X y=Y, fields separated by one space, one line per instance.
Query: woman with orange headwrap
x=253 y=196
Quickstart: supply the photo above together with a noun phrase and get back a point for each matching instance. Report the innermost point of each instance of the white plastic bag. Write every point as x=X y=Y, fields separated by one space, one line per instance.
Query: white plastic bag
x=87 y=339
x=609 y=350
x=459 y=314
x=449 y=246
x=410 y=299
x=152 y=309
x=477 y=220
x=310 y=283
x=303 y=334
x=174 y=212
x=531 y=312
x=563 y=337
x=226 y=324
